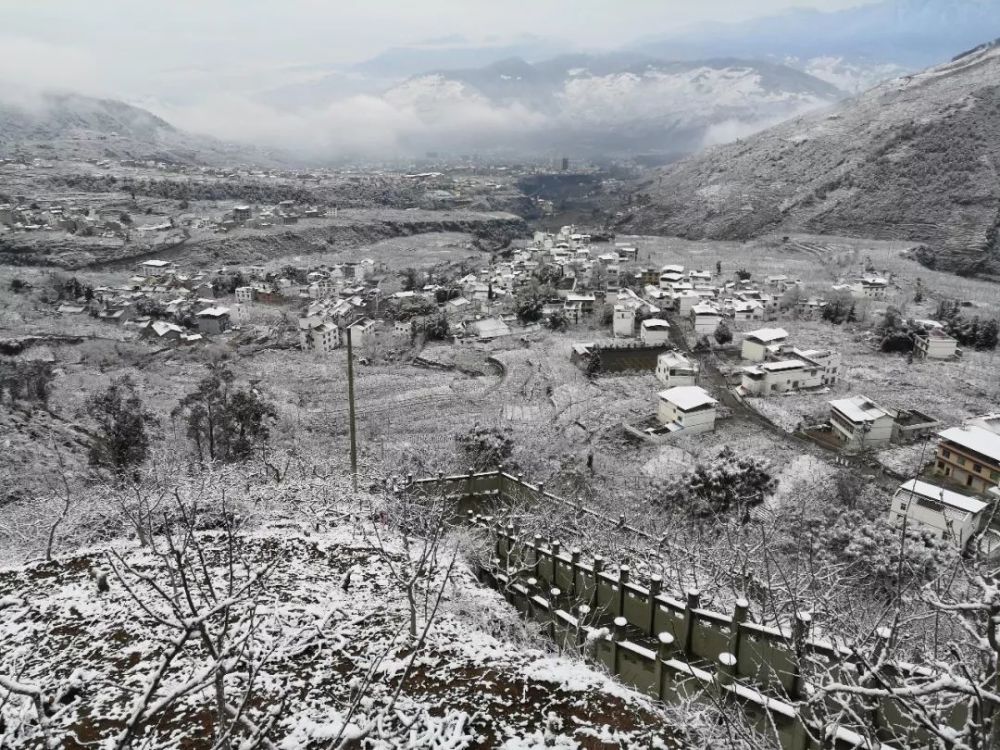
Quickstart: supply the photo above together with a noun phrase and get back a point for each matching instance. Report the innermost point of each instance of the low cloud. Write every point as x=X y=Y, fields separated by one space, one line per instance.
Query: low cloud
x=364 y=125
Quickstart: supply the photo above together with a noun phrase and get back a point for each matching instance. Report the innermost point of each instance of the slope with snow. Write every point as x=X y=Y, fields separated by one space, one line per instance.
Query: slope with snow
x=321 y=639
x=915 y=158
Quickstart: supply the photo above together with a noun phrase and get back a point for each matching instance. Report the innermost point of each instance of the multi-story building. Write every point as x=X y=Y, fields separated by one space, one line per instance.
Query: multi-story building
x=675 y=369
x=687 y=408
x=970 y=457
x=945 y=513
x=860 y=423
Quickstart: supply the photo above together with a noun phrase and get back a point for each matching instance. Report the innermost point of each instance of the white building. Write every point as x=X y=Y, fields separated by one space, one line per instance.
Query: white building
x=706 y=318
x=363 y=332
x=245 y=294
x=319 y=335
x=687 y=408
x=624 y=320
x=654 y=332
x=747 y=310
x=675 y=369
x=804 y=369
x=860 y=423
x=947 y=514
x=157 y=268
x=935 y=344
x=757 y=345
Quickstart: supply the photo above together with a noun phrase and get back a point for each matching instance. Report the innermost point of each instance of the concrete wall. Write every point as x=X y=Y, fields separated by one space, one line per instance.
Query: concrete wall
x=664 y=646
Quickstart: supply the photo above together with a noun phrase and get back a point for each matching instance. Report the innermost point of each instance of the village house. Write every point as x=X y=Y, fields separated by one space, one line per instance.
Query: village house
x=213 y=320
x=804 y=369
x=934 y=344
x=319 y=335
x=245 y=294
x=623 y=322
x=706 y=318
x=160 y=330
x=674 y=369
x=687 y=408
x=860 y=424
x=744 y=311
x=241 y=213
x=685 y=300
x=489 y=328
x=150 y=268
x=363 y=331
x=760 y=344
x=970 y=457
x=945 y=513
x=654 y=332
x=579 y=305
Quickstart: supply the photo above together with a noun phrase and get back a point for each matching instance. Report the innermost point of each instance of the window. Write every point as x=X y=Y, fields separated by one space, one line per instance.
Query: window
x=946 y=453
x=977 y=468
x=995 y=476
x=940 y=464
x=961 y=461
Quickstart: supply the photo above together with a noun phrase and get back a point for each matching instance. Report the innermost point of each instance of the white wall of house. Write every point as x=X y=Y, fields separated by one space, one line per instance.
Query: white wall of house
x=936 y=515
x=935 y=347
x=854 y=436
x=693 y=422
x=753 y=350
x=672 y=373
x=624 y=321
x=653 y=335
x=705 y=325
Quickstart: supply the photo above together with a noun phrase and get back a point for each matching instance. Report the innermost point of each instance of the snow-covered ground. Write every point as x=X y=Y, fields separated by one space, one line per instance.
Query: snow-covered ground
x=337 y=652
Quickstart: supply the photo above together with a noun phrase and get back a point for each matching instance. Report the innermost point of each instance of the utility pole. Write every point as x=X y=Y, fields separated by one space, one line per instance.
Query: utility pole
x=350 y=398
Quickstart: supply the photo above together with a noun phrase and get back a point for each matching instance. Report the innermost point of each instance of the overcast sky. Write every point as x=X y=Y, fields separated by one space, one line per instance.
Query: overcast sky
x=113 y=47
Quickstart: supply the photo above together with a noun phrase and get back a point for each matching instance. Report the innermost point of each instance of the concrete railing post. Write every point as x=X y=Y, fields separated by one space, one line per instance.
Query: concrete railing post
x=575 y=562
x=582 y=613
x=598 y=566
x=664 y=651
x=508 y=544
x=693 y=603
x=725 y=675
x=537 y=547
x=531 y=585
x=617 y=636
x=800 y=635
x=623 y=577
x=655 y=587
x=740 y=615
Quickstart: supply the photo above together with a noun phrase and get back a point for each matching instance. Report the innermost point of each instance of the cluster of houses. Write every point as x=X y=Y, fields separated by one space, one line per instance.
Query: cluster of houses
x=186 y=306
x=34 y=216
x=962 y=505
x=284 y=213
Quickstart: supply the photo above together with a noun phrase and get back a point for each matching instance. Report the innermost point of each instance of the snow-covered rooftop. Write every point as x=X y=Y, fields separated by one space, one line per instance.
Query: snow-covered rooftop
x=975 y=438
x=768 y=335
x=859 y=409
x=688 y=397
x=947 y=497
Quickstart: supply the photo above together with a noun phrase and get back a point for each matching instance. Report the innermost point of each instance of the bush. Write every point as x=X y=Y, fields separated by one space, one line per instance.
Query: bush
x=722 y=334
x=485 y=448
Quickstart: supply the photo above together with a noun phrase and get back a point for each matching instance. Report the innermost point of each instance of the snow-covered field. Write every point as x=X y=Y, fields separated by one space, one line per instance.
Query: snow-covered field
x=313 y=644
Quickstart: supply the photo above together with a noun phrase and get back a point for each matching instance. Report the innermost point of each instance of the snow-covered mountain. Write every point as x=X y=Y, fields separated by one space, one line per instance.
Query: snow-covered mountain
x=617 y=103
x=912 y=159
x=72 y=126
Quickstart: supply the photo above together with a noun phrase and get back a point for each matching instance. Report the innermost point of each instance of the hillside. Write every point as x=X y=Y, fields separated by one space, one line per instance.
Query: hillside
x=621 y=103
x=913 y=159
x=312 y=652
x=70 y=126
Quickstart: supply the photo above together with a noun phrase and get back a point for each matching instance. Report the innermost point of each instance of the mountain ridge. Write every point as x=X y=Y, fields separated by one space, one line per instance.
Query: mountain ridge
x=912 y=159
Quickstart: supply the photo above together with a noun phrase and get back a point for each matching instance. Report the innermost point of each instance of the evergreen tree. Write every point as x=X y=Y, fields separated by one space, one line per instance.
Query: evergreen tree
x=121 y=441
x=225 y=423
